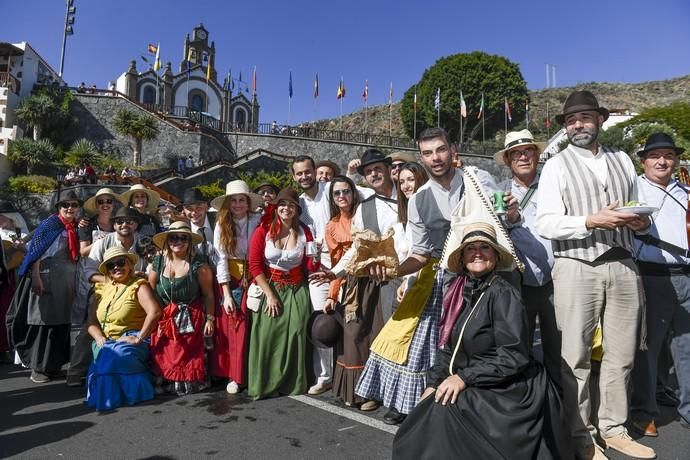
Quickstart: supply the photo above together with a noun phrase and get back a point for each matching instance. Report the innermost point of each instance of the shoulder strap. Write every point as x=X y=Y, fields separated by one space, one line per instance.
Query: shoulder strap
x=668 y=247
x=528 y=196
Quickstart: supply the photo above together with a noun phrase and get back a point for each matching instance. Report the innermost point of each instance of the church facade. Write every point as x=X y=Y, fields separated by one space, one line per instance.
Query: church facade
x=188 y=94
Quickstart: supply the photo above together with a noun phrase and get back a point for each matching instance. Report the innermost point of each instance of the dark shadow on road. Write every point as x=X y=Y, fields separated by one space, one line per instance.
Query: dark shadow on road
x=16 y=443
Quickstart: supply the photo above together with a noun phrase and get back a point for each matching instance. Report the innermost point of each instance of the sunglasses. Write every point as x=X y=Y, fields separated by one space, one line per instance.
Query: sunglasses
x=344 y=192
x=107 y=201
x=397 y=165
x=178 y=238
x=119 y=262
x=125 y=221
x=70 y=204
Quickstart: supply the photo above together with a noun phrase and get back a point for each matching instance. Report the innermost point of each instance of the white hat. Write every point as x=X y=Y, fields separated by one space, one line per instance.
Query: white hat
x=479 y=231
x=90 y=205
x=177 y=227
x=516 y=139
x=238 y=187
x=154 y=197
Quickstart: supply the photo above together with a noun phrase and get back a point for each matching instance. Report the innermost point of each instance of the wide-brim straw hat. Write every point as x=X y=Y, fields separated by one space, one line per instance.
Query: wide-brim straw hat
x=177 y=227
x=114 y=253
x=407 y=157
x=238 y=187
x=517 y=139
x=91 y=205
x=154 y=197
x=581 y=101
x=486 y=233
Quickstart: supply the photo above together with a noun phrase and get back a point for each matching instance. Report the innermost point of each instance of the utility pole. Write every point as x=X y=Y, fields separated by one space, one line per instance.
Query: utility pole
x=68 y=30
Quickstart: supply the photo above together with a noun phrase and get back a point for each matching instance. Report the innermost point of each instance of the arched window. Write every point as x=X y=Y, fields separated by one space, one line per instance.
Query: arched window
x=240 y=118
x=197 y=103
x=149 y=96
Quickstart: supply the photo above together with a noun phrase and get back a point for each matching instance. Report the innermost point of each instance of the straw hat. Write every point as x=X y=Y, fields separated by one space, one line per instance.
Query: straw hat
x=517 y=139
x=329 y=164
x=238 y=187
x=114 y=253
x=176 y=227
x=154 y=197
x=91 y=205
x=407 y=157
x=484 y=232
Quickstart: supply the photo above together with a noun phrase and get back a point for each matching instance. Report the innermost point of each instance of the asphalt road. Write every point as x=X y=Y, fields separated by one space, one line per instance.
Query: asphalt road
x=51 y=421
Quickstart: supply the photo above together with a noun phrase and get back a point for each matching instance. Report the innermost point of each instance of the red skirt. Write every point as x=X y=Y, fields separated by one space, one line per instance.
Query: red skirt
x=228 y=359
x=179 y=357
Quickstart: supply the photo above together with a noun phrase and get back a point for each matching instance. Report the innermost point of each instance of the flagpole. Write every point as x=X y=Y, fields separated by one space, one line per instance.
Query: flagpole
x=289 y=104
x=505 y=115
x=414 y=107
x=460 y=143
x=483 y=117
x=548 y=122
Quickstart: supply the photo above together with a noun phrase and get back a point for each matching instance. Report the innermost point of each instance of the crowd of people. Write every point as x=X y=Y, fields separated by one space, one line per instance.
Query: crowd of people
x=353 y=284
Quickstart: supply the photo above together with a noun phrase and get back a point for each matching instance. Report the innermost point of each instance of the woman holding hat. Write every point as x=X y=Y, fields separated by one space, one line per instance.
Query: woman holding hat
x=279 y=265
x=183 y=283
x=234 y=225
x=486 y=396
x=100 y=207
x=47 y=290
x=120 y=322
x=145 y=201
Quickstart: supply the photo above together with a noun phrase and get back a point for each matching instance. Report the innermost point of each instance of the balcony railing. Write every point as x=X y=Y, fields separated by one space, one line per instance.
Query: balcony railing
x=8 y=80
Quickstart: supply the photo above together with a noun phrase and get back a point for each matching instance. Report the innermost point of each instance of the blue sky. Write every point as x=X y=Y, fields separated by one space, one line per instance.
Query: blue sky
x=378 y=40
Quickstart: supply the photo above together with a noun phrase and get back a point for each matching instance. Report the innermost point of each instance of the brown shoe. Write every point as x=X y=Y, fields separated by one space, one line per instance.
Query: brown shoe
x=645 y=428
x=369 y=406
x=624 y=444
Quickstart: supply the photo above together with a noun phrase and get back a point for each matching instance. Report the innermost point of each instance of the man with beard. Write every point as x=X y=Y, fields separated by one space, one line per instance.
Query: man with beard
x=405 y=350
x=595 y=278
x=662 y=256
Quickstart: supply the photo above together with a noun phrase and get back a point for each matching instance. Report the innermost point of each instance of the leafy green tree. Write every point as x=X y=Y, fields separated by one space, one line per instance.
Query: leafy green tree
x=281 y=180
x=35 y=111
x=676 y=115
x=212 y=190
x=30 y=153
x=474 y=74
x=137 y=127
x=84 y=152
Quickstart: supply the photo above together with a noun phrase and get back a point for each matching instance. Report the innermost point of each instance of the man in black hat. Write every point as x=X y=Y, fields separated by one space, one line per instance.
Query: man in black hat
x=595 y=278
x=664 y=262
x=195 y=208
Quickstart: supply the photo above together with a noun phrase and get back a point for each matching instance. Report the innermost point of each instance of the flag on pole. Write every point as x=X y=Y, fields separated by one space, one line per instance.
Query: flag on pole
x=437 y=99
x=527 y=114
x=463 y=106
x=414 y=100
x=208 y=71
x=290 y=86
x=316 y=86
x=390 y=94
x=507 y=108
x=481 y=108
x=254 y=81
x=157 y=63
x=341 y=89
x=365 y=94
x=152 y=49
x=547 y=122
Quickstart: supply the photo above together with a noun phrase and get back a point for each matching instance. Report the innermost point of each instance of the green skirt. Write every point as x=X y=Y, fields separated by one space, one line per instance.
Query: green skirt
x=277 y=346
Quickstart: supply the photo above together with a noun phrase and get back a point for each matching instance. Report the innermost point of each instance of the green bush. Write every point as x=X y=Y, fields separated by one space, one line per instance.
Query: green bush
x=281 y=180
x=212 y=190
x=32 y=184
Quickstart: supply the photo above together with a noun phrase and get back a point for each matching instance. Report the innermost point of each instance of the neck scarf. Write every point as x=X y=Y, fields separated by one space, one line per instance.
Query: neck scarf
x=72 y=239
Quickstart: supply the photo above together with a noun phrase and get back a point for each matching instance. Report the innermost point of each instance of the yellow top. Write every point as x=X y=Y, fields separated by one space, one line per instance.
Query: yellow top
x=118 y=308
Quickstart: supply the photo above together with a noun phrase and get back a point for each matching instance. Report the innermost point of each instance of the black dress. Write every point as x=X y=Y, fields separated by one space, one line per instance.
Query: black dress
x=509 y=410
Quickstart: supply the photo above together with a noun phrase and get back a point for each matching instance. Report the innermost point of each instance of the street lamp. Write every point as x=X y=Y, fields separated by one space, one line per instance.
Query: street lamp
x=59 y=177
x=68 y=30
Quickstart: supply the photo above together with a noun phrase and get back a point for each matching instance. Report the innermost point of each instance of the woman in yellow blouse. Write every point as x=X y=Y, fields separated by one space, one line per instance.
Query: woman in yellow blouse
x=120 y=322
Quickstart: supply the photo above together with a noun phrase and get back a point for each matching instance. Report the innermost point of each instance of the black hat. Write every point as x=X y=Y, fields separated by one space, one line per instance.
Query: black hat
x=581 y=101
x=288 y=194
x=372 y=156
x=324 y=329
x=68 y=195
x=6 y=206
x=659 y=141
x=193 y=196
x=273 y=187
x=127 y=213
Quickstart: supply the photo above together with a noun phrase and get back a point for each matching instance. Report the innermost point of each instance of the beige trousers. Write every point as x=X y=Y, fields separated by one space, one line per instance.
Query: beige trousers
x=584 y=295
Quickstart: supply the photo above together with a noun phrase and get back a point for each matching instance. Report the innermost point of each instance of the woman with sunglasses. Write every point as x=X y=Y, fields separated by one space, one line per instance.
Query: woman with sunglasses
x=183 y=283
x=101 y=208
x=235 y=223
x=279 y=265
x=145 y=201
x=120 y=322
x=46 y=291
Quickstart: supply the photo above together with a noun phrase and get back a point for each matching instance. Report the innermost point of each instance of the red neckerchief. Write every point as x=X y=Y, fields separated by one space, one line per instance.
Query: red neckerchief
x=72 y=238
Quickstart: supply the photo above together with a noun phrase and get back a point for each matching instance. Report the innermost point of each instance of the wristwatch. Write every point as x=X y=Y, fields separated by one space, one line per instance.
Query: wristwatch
x=210 y=317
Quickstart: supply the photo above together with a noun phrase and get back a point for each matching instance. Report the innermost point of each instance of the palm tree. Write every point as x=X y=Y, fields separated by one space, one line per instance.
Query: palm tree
x=83 y=151
x=35 y=111
x=31 y=152
x=138 y=127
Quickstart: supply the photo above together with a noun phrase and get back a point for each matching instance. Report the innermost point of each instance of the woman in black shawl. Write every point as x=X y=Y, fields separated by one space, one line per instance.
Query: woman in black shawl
x=487 y=398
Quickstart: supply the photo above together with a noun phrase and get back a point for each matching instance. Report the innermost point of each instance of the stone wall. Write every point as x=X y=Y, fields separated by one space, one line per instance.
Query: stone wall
x=96 y=112
x=340 y=153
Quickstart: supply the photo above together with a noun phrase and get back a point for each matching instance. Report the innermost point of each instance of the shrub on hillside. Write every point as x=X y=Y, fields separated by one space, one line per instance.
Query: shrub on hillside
x=32 y=184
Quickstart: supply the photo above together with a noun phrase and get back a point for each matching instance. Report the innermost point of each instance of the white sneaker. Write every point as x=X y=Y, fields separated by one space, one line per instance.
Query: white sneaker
x=233 y=388
x=320 y=388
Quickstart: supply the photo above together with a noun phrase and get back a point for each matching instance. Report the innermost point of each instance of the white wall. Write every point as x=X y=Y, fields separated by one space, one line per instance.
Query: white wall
x=181 y=96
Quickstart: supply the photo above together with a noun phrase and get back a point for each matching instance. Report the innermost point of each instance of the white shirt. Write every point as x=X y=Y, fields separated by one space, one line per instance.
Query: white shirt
x=285 y=259
x=668 y=224
x=244 y=227
x=552 y=221
x=210 y=240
